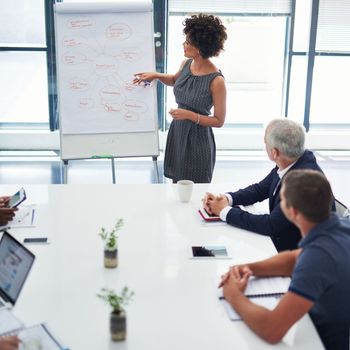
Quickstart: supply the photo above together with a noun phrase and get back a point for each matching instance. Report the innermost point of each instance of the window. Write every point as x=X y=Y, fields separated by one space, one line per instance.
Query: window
x=258 y=66
x=297 y=90
x=330 y=91
x=23 y=64
x=252 y=64
x=24 y=22
x=253 y=60
x=23 y=87
x=321 y=64
x=274 y=63
x=331 y=74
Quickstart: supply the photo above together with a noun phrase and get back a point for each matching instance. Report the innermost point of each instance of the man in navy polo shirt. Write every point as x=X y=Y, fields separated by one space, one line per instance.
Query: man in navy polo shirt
x=319 y=269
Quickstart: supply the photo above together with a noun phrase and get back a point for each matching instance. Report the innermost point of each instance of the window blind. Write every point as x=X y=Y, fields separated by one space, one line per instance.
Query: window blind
x=282 y=7
x=333 y=27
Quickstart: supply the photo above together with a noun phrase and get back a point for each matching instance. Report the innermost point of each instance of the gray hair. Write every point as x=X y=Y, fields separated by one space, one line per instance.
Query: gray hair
x=287 y=136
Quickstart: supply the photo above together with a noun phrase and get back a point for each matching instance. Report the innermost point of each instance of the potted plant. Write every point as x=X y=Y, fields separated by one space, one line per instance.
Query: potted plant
x=111 y=244
x=118 y=316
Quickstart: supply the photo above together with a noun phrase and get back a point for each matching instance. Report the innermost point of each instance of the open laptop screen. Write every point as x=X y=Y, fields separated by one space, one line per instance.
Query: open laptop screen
x=15 y=264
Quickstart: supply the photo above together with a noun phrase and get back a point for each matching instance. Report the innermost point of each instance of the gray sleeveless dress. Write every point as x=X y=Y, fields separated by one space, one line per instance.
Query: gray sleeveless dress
x=190 y=148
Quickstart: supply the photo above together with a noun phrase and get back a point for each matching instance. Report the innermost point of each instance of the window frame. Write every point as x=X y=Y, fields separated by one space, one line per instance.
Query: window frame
x=289 y=53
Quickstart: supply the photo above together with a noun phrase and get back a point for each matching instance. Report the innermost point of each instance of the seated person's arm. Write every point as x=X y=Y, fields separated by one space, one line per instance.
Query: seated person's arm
x=250 y=195
x=216 y=204
x=273 y=224
x=281 y=264
x=271 y=325
x=257 y=192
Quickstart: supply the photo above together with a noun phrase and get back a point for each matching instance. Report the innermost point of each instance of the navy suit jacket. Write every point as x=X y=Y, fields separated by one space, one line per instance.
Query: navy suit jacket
x=283 y=233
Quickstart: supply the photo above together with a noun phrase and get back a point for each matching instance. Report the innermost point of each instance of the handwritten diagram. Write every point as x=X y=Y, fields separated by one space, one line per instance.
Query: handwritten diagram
x=98 y=57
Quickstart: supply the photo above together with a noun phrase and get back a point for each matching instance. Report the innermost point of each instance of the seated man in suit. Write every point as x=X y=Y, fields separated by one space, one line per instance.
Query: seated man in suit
x=284 y=143
x=319 y=269
x=6 y=213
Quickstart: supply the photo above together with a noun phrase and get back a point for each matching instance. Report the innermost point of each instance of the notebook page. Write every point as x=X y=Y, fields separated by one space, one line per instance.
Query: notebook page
x=267 y=286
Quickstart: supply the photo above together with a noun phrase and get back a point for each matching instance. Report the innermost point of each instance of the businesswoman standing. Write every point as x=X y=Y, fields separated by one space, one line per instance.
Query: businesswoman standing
x=198 y=86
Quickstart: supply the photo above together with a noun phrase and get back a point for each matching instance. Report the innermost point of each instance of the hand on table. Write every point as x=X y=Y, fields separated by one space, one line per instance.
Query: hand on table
x=9 y=343
x=237 y=270
x=236 y=281
x=208 y=196
x=214 y=204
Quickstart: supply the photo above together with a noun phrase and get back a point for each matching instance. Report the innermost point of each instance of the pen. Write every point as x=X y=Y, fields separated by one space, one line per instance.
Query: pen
x=33 y=210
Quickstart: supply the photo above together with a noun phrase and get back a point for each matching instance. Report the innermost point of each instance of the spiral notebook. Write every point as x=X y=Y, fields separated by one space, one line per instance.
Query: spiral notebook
x=264 y=291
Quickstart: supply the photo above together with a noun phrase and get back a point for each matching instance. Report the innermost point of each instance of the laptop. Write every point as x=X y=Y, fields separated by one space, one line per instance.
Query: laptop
x=15 y=263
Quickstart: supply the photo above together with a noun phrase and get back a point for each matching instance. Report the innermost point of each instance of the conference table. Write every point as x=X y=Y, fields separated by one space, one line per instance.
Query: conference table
x=176 y=303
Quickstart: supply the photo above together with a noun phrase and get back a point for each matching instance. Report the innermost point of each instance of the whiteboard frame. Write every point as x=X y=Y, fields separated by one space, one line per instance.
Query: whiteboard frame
x=102 y=145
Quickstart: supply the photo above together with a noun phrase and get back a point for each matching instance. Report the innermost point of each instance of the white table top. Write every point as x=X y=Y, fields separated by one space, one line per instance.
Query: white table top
x=175 y=304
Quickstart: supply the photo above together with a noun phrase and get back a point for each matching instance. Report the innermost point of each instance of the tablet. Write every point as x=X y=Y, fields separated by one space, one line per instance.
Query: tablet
x=210 y=251
x=208 y=217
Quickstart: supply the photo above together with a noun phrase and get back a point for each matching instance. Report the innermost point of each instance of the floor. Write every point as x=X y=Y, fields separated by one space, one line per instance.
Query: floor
x=236 y=169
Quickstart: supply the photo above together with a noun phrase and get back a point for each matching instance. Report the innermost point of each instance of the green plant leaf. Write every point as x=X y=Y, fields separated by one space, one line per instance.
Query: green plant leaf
x=110 y=237
x=115 y=301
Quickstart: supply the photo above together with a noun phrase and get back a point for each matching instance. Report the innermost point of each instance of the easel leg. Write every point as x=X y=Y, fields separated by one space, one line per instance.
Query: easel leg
x=64 y=172
x=156 y=167
x=113 y=171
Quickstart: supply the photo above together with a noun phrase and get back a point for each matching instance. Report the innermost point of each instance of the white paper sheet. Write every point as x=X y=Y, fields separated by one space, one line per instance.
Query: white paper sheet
x=25 y=217
x=8 y=322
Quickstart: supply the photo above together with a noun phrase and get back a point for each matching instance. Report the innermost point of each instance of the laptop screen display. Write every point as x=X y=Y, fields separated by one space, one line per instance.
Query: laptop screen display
x=15 y=264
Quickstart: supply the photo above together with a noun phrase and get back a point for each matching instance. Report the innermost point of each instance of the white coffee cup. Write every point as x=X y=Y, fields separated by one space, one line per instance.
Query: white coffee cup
x=185 y=188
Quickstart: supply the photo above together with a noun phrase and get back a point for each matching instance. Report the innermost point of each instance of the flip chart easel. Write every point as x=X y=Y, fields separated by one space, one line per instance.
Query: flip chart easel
x=99 y=48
